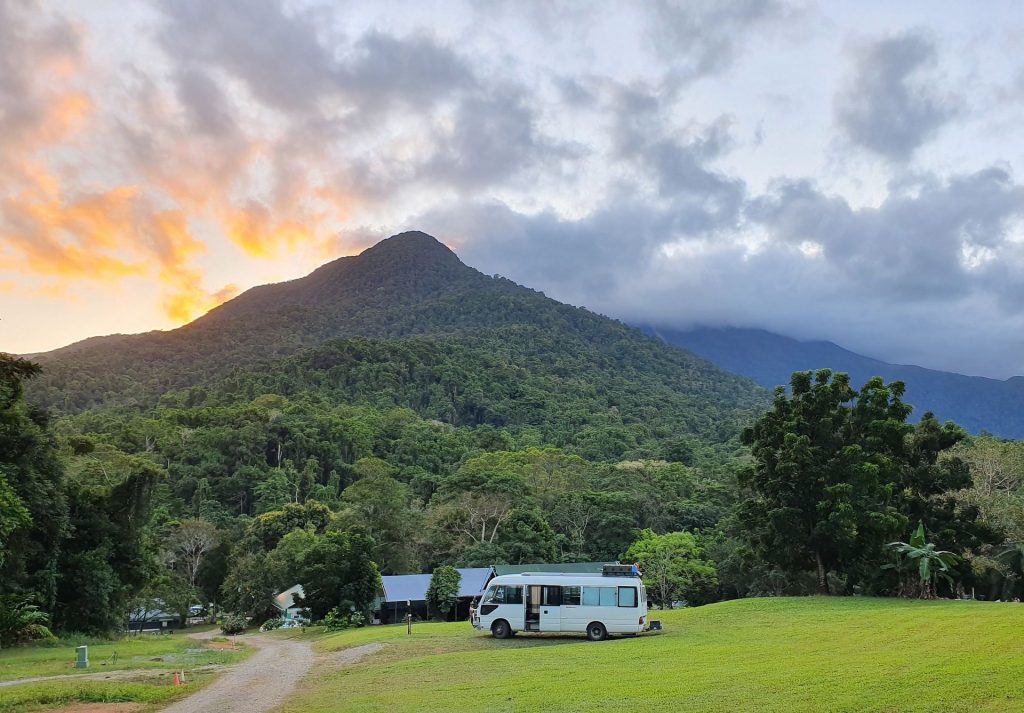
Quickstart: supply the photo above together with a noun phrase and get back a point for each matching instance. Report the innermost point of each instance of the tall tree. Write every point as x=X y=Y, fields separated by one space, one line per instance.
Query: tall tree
x=108 y=557
x=837 y=474
x=443 y=590
x=674 y=567
x=382 y=506
x=189 y=542
x=806 y=505
x=33 y=507
x=338 y=572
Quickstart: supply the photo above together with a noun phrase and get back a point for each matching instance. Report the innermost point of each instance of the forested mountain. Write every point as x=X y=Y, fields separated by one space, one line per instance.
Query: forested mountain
x=976 y=403
x=486 y=351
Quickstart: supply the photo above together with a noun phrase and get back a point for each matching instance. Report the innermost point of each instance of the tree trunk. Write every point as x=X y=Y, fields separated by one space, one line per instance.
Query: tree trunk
x=822 y=578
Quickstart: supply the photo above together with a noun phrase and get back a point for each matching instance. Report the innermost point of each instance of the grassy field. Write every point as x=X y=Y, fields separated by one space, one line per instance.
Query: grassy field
x=807 y=654
x=136 y=652
x=141 y=669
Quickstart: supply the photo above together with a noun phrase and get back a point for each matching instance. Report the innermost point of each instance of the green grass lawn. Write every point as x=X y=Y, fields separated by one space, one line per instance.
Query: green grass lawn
x=806 y=654
x=153 y=657
x=153 y=693
x=136 y=652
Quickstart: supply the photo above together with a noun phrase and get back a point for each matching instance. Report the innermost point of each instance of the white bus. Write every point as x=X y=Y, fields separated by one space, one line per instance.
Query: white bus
x=598 y=604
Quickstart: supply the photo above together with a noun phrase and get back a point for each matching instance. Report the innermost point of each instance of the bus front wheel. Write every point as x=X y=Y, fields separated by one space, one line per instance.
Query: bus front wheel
x=501 y=630
x=596 y=631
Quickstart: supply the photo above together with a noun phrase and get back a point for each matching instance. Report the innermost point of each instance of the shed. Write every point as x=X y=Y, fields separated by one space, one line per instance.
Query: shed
x=284 y=602
x=153 y=621
x=408 y=592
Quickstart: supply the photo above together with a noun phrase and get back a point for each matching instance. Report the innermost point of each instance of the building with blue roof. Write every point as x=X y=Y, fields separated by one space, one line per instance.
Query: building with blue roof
x=403 y=593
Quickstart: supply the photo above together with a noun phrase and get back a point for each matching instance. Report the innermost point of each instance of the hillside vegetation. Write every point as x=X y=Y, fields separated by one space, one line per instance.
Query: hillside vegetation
x=808 y=654
x=406 y=285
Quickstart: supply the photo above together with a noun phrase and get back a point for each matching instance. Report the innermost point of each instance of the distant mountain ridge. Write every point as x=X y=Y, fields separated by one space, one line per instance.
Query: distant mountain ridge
x=978 y=404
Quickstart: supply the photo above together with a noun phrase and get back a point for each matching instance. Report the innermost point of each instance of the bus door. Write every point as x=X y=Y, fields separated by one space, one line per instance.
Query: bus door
x=551 y=608
x=533 y=597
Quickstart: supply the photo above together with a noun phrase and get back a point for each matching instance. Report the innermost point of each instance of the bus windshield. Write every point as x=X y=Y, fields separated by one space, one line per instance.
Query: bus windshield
x=503 y=594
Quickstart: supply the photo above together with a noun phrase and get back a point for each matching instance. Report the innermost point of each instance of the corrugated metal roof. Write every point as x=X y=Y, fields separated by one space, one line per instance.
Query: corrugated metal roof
x=568 y=567
x=286 y=599
x=474 y=580
x=413 y=587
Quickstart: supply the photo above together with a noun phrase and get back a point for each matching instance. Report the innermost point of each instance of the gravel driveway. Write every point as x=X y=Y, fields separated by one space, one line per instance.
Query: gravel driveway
x=256 y=685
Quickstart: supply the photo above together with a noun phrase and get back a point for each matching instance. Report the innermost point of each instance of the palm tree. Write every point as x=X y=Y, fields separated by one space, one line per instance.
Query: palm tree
x=21 y=620
x=931 y=564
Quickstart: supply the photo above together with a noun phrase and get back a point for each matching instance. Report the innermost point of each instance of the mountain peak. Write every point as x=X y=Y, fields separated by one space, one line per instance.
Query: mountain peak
x=411 y=244
x=395 y=259
x=405 y=268
x=410 y=240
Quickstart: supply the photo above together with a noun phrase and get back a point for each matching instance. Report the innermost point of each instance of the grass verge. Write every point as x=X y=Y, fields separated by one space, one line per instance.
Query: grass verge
x=152 y=693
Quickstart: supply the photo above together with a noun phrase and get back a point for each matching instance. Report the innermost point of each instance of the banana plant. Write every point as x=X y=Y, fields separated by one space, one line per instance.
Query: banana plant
x=931 y=563
x=21 y=621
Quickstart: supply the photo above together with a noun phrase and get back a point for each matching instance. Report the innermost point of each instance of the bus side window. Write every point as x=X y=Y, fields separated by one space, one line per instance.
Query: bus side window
x=513 y=595
x=591 y=596
x=627 y=596
x=571 y=596
x=552 y=596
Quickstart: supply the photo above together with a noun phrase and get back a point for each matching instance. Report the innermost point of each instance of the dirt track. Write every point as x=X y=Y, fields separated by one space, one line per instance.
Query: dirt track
x=256 y=685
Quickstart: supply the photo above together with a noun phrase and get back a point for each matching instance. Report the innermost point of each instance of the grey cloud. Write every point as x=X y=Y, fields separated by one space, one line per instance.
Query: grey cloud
x=413 y=70
x=574 y=92
x=890 y=280
x=209 y=110
x=26 y=45
x=580 y=261
x=330 y=90
x=911 y=246
x=290 y=63
x=494 y=137
x=703 y=38
x=677 y=161
x=276 y=55
x=886 y=105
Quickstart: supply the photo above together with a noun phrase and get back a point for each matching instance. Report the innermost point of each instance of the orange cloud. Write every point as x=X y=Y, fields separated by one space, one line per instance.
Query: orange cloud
x=186 y=298
x=150 y=171
x=254 y=230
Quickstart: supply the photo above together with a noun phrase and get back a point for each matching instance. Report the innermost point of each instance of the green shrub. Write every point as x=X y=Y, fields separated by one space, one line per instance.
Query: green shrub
x=335 y=620
x=271 y=624
x=233 y=624
x=22 y=621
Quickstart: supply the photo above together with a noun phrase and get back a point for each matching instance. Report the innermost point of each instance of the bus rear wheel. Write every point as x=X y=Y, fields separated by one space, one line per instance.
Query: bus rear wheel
x=501 y=630
x=596 y=631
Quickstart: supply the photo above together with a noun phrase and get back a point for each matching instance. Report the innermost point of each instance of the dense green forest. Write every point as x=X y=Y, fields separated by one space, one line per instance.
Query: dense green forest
x=397 y=412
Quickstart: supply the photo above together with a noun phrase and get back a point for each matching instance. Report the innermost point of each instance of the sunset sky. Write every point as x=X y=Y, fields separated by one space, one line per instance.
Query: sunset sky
x=846 y=171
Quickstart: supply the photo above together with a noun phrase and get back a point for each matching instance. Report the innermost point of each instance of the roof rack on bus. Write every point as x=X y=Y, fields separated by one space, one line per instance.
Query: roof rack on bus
x=557 y=574
x=620 y=570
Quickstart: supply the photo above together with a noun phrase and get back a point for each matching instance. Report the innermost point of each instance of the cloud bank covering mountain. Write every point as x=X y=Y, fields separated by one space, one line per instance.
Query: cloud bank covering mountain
x=824 y=170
